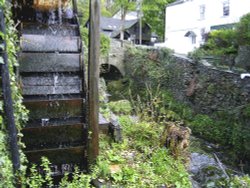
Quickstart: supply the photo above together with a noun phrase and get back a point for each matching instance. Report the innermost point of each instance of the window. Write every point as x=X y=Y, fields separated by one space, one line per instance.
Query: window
x=226 y=8
x=202 y=12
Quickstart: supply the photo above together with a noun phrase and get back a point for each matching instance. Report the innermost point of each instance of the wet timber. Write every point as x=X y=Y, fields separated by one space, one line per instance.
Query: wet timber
x=52 y=79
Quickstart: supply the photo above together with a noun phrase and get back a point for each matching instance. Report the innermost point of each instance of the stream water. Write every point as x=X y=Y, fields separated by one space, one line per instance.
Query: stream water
x=206 y=166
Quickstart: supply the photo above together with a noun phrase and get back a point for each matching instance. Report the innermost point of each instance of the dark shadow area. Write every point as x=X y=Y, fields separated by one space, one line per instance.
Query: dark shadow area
x=110 y=72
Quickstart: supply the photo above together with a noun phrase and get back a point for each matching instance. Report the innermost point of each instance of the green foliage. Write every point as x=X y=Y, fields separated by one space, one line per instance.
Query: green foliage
x=197 y=54
x=6 y=172
x=125 y=6
x=105 y=45
x=46 y=168
x=146 y=84
x=225 y=128
x=221 y=42
x=145 y=67
x=83 y=9
x=246 y=111
x=120 y=107
x=20 y=113
x=243 y=30
x=154 y=14
x=160 y=162
x=149 y=137
x=35 y=179
x=139 y=161
x=79 y=180
x=233 y=182
x=104 y=41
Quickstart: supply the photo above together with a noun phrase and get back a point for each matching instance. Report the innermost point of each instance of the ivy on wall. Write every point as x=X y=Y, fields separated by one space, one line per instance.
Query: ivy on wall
x=20 y=113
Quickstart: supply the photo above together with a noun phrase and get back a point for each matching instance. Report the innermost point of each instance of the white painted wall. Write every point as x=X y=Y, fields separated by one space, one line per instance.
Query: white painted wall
x=184 y=17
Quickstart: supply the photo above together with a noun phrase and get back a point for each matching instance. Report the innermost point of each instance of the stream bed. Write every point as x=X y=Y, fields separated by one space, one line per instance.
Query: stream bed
x=206 y=166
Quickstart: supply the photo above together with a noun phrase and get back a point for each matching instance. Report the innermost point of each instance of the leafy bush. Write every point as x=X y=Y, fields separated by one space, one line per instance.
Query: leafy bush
x=104 y=41
x=20 y=113
x=120 y=107
x=145 y=67
x=197 y=54
x=243 y=30
x=221 y=42
x=139 y=161
x=201 y=123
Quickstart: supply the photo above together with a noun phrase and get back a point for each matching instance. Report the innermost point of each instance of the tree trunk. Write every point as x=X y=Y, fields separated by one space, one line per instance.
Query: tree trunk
x=123 y=15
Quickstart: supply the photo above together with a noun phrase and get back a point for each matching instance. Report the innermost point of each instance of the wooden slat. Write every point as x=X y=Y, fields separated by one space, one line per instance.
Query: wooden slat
x=54 y=136
x=44 y=90
x=51 y=97
x=51 y=80
x=43 y=43
x=55 y=108
x=35 y=123
x=48 y=62
x=58 y=155
x=44 y=29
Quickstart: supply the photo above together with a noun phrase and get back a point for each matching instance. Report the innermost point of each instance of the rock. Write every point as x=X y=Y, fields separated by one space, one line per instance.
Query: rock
x=243 y=58
x=200 y=161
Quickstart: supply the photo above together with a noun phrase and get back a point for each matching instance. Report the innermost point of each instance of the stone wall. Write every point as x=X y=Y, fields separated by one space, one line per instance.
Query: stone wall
x=207 y=89
x=222 y=95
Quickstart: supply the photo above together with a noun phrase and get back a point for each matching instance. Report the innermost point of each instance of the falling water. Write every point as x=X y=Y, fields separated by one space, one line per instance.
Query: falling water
x=52 y=17
x=45 y=122
x=55 y=76
x=54 y=31
x=60 y=12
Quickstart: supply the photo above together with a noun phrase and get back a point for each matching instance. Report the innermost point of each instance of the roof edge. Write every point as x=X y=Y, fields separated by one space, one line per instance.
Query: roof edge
x=175 y=3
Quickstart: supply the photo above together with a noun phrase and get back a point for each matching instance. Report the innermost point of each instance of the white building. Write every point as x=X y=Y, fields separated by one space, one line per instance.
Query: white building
x=188 y=20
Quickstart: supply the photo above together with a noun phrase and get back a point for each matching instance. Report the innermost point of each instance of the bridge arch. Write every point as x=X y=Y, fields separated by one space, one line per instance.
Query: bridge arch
x=111 y=72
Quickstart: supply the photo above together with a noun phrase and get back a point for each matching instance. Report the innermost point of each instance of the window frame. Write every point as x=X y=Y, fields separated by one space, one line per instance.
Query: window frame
x=226 y=8
x=202 y=11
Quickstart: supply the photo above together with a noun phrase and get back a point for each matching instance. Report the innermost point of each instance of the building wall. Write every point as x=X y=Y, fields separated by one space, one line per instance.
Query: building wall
x=184 y=17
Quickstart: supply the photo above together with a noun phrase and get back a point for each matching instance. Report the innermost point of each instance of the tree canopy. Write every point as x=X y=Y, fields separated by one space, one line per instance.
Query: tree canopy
x=154 y=14
x=243 y=30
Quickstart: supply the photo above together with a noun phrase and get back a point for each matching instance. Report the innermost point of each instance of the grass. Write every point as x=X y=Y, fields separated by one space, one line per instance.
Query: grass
x=139 y=161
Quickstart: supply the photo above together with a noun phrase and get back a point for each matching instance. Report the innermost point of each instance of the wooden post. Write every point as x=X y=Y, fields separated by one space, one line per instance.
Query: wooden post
x=8 y=103
x=93 y=80
x=75 y=10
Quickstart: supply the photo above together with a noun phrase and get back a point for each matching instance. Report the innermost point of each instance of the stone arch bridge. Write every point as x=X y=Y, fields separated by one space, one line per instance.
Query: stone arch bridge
x=112 y=67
